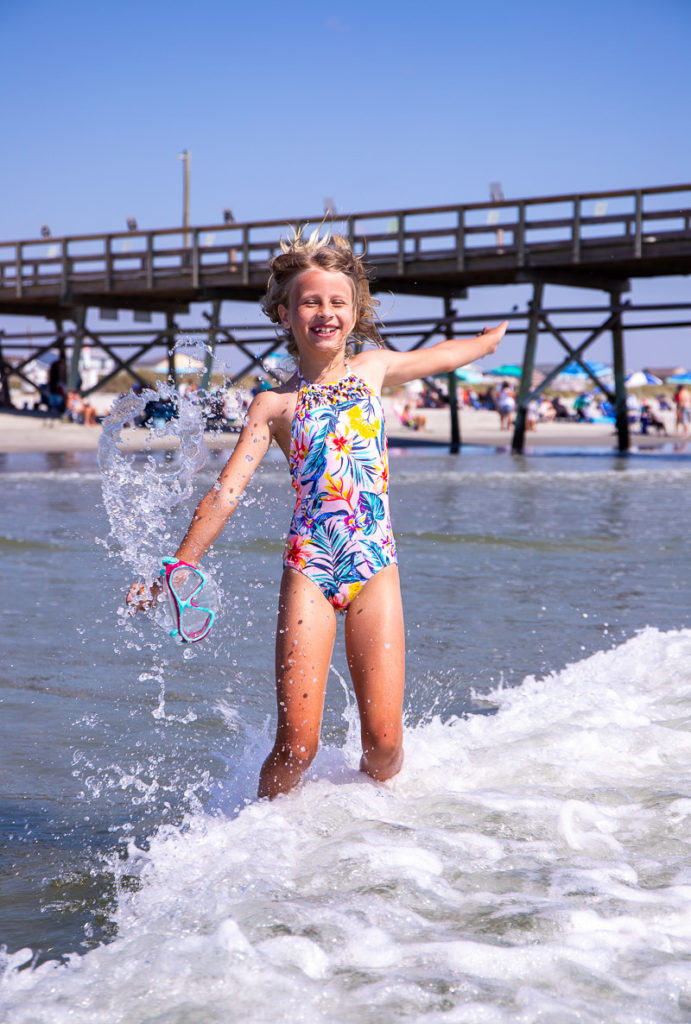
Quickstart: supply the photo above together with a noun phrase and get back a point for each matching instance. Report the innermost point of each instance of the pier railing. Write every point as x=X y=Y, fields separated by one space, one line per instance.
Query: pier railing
x=560 y=230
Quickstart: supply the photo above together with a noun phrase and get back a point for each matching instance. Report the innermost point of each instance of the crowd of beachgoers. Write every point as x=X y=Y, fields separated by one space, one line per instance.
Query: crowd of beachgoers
x=664 y=413
x=647 y=413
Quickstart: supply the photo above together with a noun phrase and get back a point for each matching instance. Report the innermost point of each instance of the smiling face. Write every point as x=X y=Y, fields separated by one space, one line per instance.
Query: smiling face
x=320 y=313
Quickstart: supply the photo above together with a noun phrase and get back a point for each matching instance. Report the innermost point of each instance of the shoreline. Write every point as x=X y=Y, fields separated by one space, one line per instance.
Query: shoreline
x=24 y=432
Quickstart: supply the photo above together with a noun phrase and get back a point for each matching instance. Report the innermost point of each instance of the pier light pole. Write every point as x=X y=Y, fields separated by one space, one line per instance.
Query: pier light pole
x=185 y=157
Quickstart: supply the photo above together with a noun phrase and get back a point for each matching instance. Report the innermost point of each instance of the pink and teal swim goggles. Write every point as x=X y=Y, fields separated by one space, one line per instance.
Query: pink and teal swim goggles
x=184 y=586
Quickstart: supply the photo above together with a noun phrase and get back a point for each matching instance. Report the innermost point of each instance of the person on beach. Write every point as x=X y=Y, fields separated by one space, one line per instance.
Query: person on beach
x=506 y=405
x=682 y=400
x=412 y=419
x=340 y=554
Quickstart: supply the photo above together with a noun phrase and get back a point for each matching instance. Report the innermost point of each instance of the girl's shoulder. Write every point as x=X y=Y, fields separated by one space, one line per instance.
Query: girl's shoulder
x=270 y=397
x=370 y=365
x=275 y=406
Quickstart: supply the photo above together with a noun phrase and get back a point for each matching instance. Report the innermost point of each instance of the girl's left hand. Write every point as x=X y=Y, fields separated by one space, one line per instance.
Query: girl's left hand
x=493 y=335
x=141 y=596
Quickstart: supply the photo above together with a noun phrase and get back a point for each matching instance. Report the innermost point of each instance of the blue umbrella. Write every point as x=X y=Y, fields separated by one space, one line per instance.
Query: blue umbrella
x=639 y=378
x=576 y=370
x=469 y=376
x=679 y=378
x=507 y=370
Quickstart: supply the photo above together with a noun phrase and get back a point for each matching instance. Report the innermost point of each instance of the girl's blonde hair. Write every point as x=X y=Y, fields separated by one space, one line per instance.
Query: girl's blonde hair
x=328 y=252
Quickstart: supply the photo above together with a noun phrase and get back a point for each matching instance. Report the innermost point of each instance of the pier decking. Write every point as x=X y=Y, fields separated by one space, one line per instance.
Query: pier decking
x=595 y=239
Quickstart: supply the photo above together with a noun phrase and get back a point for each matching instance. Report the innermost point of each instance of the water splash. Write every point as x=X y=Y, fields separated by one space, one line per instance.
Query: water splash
x=139 y=497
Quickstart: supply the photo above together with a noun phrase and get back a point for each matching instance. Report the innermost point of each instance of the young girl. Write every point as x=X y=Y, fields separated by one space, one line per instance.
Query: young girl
x=340 y=554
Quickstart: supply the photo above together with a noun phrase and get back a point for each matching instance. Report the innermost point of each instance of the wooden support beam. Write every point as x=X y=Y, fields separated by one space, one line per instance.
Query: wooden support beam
x=520 y=241
x=638 y=237
x=108 y=246
x=18 y=271
x=576 y=230
x=438 y=327
x=455 y=442
x=13 y=371
x=574 y=354
x=460 y=240
x=170 y=337
x=122 y=364
x=5 y=400
x=573 y=279
x=213 y=320
x=65 y=272
x=621 y=411
x=39 y=351
x=524 y=390
x=256 y=361
x=73 y=372
x=401 y=243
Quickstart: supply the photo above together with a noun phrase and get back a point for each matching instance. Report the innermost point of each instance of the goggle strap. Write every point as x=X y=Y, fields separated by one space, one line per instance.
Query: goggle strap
x=170 y=564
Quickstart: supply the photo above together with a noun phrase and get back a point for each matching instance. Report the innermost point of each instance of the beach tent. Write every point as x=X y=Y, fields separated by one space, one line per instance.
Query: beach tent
x=639 y=378
x=679 y=378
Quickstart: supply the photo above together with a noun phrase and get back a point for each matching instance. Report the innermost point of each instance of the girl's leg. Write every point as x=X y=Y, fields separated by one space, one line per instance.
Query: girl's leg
x=375 y=647
x=304 y=642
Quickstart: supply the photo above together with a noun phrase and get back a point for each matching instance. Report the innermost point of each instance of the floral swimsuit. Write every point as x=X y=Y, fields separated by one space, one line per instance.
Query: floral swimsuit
x=340 y=534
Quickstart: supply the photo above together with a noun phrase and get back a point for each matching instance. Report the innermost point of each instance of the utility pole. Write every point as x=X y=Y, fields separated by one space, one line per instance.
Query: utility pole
x=185 y=157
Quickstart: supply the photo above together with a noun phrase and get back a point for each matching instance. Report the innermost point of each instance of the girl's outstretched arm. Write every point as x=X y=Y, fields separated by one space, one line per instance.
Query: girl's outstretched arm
x=444 y=357
x=219 y=503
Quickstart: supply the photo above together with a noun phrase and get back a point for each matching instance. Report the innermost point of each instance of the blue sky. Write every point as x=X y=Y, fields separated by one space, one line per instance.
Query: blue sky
x=376 y=105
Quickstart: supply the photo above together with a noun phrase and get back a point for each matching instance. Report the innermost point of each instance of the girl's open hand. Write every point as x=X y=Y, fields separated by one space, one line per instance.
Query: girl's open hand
x=493 y=335
x=141 y=596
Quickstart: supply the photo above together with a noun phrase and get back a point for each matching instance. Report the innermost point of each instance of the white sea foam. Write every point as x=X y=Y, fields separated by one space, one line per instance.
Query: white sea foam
x=527 y=865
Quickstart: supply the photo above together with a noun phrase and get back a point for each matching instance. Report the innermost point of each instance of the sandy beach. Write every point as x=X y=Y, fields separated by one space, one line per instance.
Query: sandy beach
x=32 y=432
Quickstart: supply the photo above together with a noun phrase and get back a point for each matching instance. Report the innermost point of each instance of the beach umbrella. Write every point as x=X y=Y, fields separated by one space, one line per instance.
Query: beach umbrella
x=469 y=376
x=679 y=378
x=576 y=370
x=507 y=370
x=639 y=378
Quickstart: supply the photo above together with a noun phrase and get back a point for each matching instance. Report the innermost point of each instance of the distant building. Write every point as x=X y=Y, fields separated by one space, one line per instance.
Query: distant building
x=93 y=365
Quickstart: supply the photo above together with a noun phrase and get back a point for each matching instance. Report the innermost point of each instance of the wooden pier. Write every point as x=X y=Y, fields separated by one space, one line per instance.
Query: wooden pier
x=592 y=240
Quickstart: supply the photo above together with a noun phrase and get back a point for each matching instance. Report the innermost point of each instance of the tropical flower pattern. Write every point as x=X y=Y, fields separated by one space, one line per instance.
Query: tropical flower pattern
x=340 y=534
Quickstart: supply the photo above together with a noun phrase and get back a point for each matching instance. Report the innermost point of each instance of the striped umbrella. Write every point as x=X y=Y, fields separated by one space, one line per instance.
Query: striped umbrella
x=639 y=378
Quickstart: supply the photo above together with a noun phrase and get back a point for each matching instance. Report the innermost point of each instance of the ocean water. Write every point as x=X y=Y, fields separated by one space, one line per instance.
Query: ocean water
x=532 y=861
